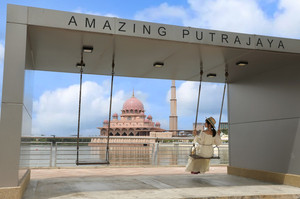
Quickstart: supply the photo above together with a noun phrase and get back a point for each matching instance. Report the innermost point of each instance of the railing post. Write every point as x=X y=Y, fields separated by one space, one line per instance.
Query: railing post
x=176 y=146
x=55 y=159
x=50 y=161
x=155 y=157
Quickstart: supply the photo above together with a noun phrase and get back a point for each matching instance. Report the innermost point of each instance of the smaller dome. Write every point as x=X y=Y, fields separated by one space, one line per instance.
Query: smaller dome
x=115 y=115
x=105 y=122
x=149 y=117
x=157 y=124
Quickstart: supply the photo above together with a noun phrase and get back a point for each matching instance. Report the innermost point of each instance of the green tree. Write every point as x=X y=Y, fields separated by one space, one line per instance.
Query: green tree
x=225 y=131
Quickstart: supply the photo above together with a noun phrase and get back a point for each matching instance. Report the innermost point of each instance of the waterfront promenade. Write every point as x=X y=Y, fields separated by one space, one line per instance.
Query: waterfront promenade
x=148 y=182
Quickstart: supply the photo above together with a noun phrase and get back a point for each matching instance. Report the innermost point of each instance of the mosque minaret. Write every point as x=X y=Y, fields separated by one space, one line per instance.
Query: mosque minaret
x=173 y=113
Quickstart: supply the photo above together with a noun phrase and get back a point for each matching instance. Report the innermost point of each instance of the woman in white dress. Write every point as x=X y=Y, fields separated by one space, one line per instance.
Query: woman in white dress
x=204 y=147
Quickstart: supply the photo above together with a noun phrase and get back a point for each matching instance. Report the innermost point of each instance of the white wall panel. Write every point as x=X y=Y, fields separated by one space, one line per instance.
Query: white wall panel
x=264 y=112
x=294 y=166
x=263 y=145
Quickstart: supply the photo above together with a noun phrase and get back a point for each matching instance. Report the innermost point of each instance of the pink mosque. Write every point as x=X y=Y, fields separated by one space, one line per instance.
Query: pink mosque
x=132 y=122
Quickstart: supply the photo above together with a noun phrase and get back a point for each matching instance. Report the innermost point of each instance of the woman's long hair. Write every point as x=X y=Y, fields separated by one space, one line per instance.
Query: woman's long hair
x=212 y=128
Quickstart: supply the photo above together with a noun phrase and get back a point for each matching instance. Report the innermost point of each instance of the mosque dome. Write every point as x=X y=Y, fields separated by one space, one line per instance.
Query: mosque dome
x=149 y=117
x=115 y=115
x=157 y=124
x=105 y=122
x=133 y=104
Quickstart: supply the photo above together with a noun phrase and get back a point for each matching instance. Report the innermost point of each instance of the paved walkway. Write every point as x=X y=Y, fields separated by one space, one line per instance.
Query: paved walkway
x=115 y=171
x=148 y=182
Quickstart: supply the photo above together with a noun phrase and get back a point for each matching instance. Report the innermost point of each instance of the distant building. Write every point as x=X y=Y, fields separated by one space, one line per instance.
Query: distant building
x=200 y=126
x=161 y=134
x=224 y=125
x=132 y=122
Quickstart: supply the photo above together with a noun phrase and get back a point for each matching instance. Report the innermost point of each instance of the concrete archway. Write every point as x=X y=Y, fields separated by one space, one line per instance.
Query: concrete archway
x=263 y=97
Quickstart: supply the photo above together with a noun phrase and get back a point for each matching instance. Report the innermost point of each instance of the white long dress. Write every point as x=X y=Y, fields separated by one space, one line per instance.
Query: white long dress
x=204 y=148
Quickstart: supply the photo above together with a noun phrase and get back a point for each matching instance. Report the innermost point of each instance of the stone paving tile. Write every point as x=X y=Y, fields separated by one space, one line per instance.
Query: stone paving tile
x=149 y=183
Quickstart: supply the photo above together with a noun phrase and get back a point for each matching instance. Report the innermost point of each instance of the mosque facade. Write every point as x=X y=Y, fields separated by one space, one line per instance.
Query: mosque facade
x=132 y=121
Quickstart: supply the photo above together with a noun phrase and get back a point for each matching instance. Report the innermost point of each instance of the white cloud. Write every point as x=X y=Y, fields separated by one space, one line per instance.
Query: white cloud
x=245 y=16
x=83 y=11
x=210 y=98
x=165 y=12
x=231 y=15
x=56 y=112
x=287 y=18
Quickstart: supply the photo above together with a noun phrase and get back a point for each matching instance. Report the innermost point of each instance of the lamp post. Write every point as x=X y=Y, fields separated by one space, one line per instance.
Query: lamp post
x=53 y=141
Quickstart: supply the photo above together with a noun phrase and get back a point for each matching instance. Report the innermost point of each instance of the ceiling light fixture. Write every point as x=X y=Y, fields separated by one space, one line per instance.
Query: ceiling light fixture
x=87 y=49
x=242 y=63
x=80 y=64
x=211 y=75
x=158 y=64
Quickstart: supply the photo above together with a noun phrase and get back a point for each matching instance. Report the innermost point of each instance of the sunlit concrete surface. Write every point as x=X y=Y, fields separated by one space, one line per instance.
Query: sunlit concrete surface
x=161 y=182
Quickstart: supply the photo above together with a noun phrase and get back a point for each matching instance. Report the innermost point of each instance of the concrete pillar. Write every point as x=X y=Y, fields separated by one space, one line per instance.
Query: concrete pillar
x=16 y=99
x=12 y=103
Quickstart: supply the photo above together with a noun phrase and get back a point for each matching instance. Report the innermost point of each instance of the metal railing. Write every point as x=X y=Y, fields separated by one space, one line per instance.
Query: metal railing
x=164 y=151
x=36 y=154
x=120 y=153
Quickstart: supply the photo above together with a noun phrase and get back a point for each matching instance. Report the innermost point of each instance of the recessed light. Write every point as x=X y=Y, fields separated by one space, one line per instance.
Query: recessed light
x=158 y=64
x=211 y=75
x=242 y=63
x=87 y=49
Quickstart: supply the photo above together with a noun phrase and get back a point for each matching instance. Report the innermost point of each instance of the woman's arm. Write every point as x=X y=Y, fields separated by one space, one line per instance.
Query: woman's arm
x=217 y=140
x=194 y=132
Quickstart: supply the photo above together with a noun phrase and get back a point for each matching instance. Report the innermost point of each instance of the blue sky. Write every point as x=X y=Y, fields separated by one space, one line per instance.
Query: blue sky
x=52 y=115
